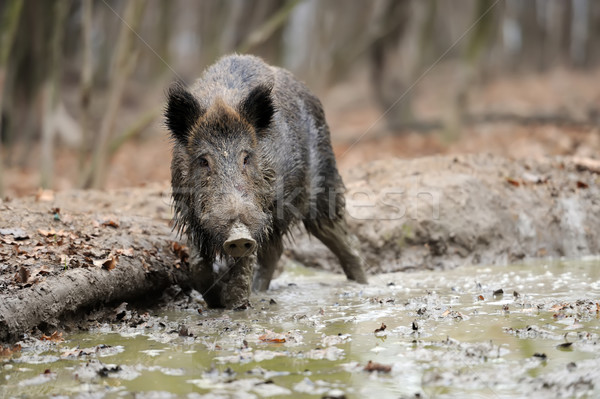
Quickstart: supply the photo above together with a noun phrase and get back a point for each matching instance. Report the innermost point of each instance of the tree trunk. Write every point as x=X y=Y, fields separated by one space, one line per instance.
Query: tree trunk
x=10 y=20
x=124 y=62
x=87 y=74
x=51 y=93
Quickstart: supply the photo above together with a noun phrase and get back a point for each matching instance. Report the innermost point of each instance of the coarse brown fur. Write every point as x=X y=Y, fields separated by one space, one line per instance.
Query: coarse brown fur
x=251 y=146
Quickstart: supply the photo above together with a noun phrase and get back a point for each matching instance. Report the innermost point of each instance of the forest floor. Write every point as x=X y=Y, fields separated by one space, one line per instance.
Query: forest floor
x=532 y=192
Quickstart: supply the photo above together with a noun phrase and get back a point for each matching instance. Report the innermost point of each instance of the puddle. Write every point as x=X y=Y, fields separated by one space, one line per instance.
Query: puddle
x=504 y=332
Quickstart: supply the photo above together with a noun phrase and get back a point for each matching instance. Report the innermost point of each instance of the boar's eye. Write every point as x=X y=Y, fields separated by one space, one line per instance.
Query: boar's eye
x=246 y=159
x=202 y=162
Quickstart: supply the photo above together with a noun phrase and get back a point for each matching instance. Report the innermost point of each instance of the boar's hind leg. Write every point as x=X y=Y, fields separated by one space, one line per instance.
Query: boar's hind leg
x=267 y=263
x=334 y=234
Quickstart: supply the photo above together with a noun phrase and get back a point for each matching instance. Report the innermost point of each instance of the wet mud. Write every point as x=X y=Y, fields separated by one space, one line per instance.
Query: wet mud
x=525 y=330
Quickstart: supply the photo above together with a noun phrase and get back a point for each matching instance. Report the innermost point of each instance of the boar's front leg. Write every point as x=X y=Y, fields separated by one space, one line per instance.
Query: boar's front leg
x=335 y=235
x=268 y=257
x=237 y=281
x=204 y=278
x=223 y=286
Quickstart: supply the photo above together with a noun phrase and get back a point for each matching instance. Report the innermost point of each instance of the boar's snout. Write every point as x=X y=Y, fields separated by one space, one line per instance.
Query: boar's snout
x=240 y=242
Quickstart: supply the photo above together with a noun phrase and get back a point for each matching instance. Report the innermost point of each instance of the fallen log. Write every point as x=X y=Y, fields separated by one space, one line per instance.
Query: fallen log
x=64 y=257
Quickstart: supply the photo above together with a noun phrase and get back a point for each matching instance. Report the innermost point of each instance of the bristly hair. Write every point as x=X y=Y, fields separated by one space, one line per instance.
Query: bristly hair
x=181 y=112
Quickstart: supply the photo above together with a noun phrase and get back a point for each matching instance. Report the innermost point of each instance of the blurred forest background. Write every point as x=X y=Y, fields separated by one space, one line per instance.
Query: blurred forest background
x=82 y=82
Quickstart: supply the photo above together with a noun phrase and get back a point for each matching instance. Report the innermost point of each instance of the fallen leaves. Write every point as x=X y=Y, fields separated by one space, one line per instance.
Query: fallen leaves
x=128 y=252
x=9 y=351
x=54 y=337
x=24 y=276
x=54 y=233
x=108 y=263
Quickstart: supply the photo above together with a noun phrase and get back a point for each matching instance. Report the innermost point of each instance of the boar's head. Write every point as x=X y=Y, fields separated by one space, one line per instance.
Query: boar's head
x=222 y=177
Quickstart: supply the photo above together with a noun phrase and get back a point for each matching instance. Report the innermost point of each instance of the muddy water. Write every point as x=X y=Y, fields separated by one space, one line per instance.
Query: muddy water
x=446 y=335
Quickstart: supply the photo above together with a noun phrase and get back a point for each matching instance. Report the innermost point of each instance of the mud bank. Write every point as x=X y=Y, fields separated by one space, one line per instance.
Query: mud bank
x=442 y=212
x=66 y=254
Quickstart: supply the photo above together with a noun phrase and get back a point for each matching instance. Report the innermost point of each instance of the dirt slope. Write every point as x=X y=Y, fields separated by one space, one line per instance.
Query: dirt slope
x=445 y=211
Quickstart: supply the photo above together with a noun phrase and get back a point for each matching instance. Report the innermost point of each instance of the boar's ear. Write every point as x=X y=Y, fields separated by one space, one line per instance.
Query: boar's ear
x=258 y=107
x=182 y=112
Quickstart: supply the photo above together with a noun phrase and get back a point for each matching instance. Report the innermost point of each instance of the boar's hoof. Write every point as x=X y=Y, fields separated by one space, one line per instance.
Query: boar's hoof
x=240 y=242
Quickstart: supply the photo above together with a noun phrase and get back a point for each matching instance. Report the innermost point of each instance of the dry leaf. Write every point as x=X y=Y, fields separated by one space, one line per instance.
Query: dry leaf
x=110 y=263
x=271 y=336
x=110 y=223
x=125 y=252
x=5 y=352
x=19 y=251
x=54 y=337
x=47 y=233
x=107 y=263
x=581 y=184
x=513 y=182
x=42 y=271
